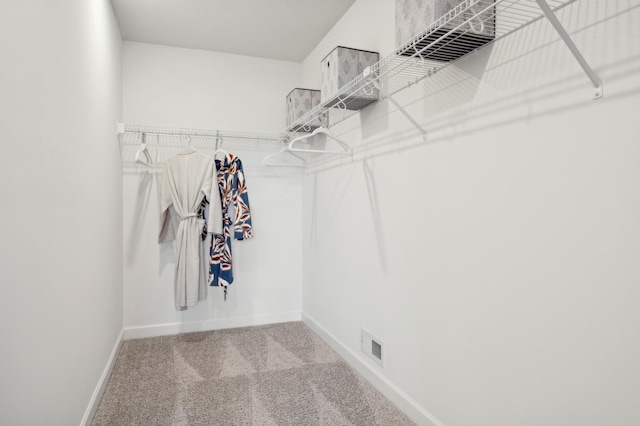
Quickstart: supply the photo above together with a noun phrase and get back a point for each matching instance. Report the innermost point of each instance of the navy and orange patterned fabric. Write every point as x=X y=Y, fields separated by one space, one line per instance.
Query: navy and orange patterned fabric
x=233 y=194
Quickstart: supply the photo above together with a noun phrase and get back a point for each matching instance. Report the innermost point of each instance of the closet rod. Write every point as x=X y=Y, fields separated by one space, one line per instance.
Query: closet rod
x=124 y=128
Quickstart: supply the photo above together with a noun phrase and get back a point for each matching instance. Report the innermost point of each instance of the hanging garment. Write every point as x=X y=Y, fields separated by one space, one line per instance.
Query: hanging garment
x=187 y=180
x=233 y=193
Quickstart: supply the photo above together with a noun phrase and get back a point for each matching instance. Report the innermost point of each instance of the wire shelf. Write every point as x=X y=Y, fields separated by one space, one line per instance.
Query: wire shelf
x=441 y=44
x=164 y=142
x=196 y=133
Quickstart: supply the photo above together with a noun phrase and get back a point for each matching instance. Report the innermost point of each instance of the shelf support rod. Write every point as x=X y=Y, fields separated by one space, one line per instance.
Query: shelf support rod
x=597 y=83
x=409 y=117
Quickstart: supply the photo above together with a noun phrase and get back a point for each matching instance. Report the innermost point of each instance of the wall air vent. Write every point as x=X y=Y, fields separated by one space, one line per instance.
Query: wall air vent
x=372 y=347
x=376 y=349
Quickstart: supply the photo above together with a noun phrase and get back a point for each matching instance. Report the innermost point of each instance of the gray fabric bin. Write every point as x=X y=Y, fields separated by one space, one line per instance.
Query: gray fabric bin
x=300 y=102
x=340 y=67
x=458 y=36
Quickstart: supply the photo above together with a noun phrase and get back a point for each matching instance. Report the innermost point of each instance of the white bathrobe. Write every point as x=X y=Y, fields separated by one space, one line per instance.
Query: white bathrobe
x=189 y=177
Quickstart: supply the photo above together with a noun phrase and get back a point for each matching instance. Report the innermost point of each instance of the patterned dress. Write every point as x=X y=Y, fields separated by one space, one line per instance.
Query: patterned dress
x=233 y=193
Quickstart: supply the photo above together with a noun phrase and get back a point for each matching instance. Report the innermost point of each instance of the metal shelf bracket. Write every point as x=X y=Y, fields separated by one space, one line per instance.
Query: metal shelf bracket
x=409 y=117
x=551 y=17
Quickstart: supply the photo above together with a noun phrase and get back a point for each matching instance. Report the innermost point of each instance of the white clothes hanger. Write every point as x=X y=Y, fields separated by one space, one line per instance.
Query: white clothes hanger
x=142 y=155
x=266 y=160
x=219 y=150
x=189 y=149
x=157 y=149
x=320 y=130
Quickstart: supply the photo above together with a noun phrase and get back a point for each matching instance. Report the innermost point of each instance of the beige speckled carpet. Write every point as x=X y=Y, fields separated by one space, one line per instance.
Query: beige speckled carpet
x=276 y=374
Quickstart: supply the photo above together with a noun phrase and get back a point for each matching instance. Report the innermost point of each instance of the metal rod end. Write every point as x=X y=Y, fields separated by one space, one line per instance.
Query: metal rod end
x=599 y=93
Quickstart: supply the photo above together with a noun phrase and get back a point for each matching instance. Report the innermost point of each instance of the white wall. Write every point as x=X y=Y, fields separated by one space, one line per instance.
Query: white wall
x=498 y=261
x=176 y=87
x=60 y=256
x=366 y=26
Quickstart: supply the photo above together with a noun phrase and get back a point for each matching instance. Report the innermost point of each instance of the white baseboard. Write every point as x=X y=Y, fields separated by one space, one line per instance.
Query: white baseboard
x=405 y=403
x=102 y=383
x=213 y=324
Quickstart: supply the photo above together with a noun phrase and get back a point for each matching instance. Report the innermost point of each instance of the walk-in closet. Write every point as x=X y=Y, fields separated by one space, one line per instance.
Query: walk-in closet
x=334 y=212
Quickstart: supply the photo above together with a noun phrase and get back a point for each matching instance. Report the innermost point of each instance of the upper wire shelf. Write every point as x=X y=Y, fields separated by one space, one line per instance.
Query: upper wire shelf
x=441 y=44
x=164 y=142
x=124 y=128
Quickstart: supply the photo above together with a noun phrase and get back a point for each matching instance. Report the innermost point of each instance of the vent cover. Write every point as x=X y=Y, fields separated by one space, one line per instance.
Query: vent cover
x=376 y=349
x=371 y=346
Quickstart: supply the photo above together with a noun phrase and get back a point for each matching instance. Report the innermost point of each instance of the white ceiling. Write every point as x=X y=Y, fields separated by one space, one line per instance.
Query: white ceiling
x=276 y=29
